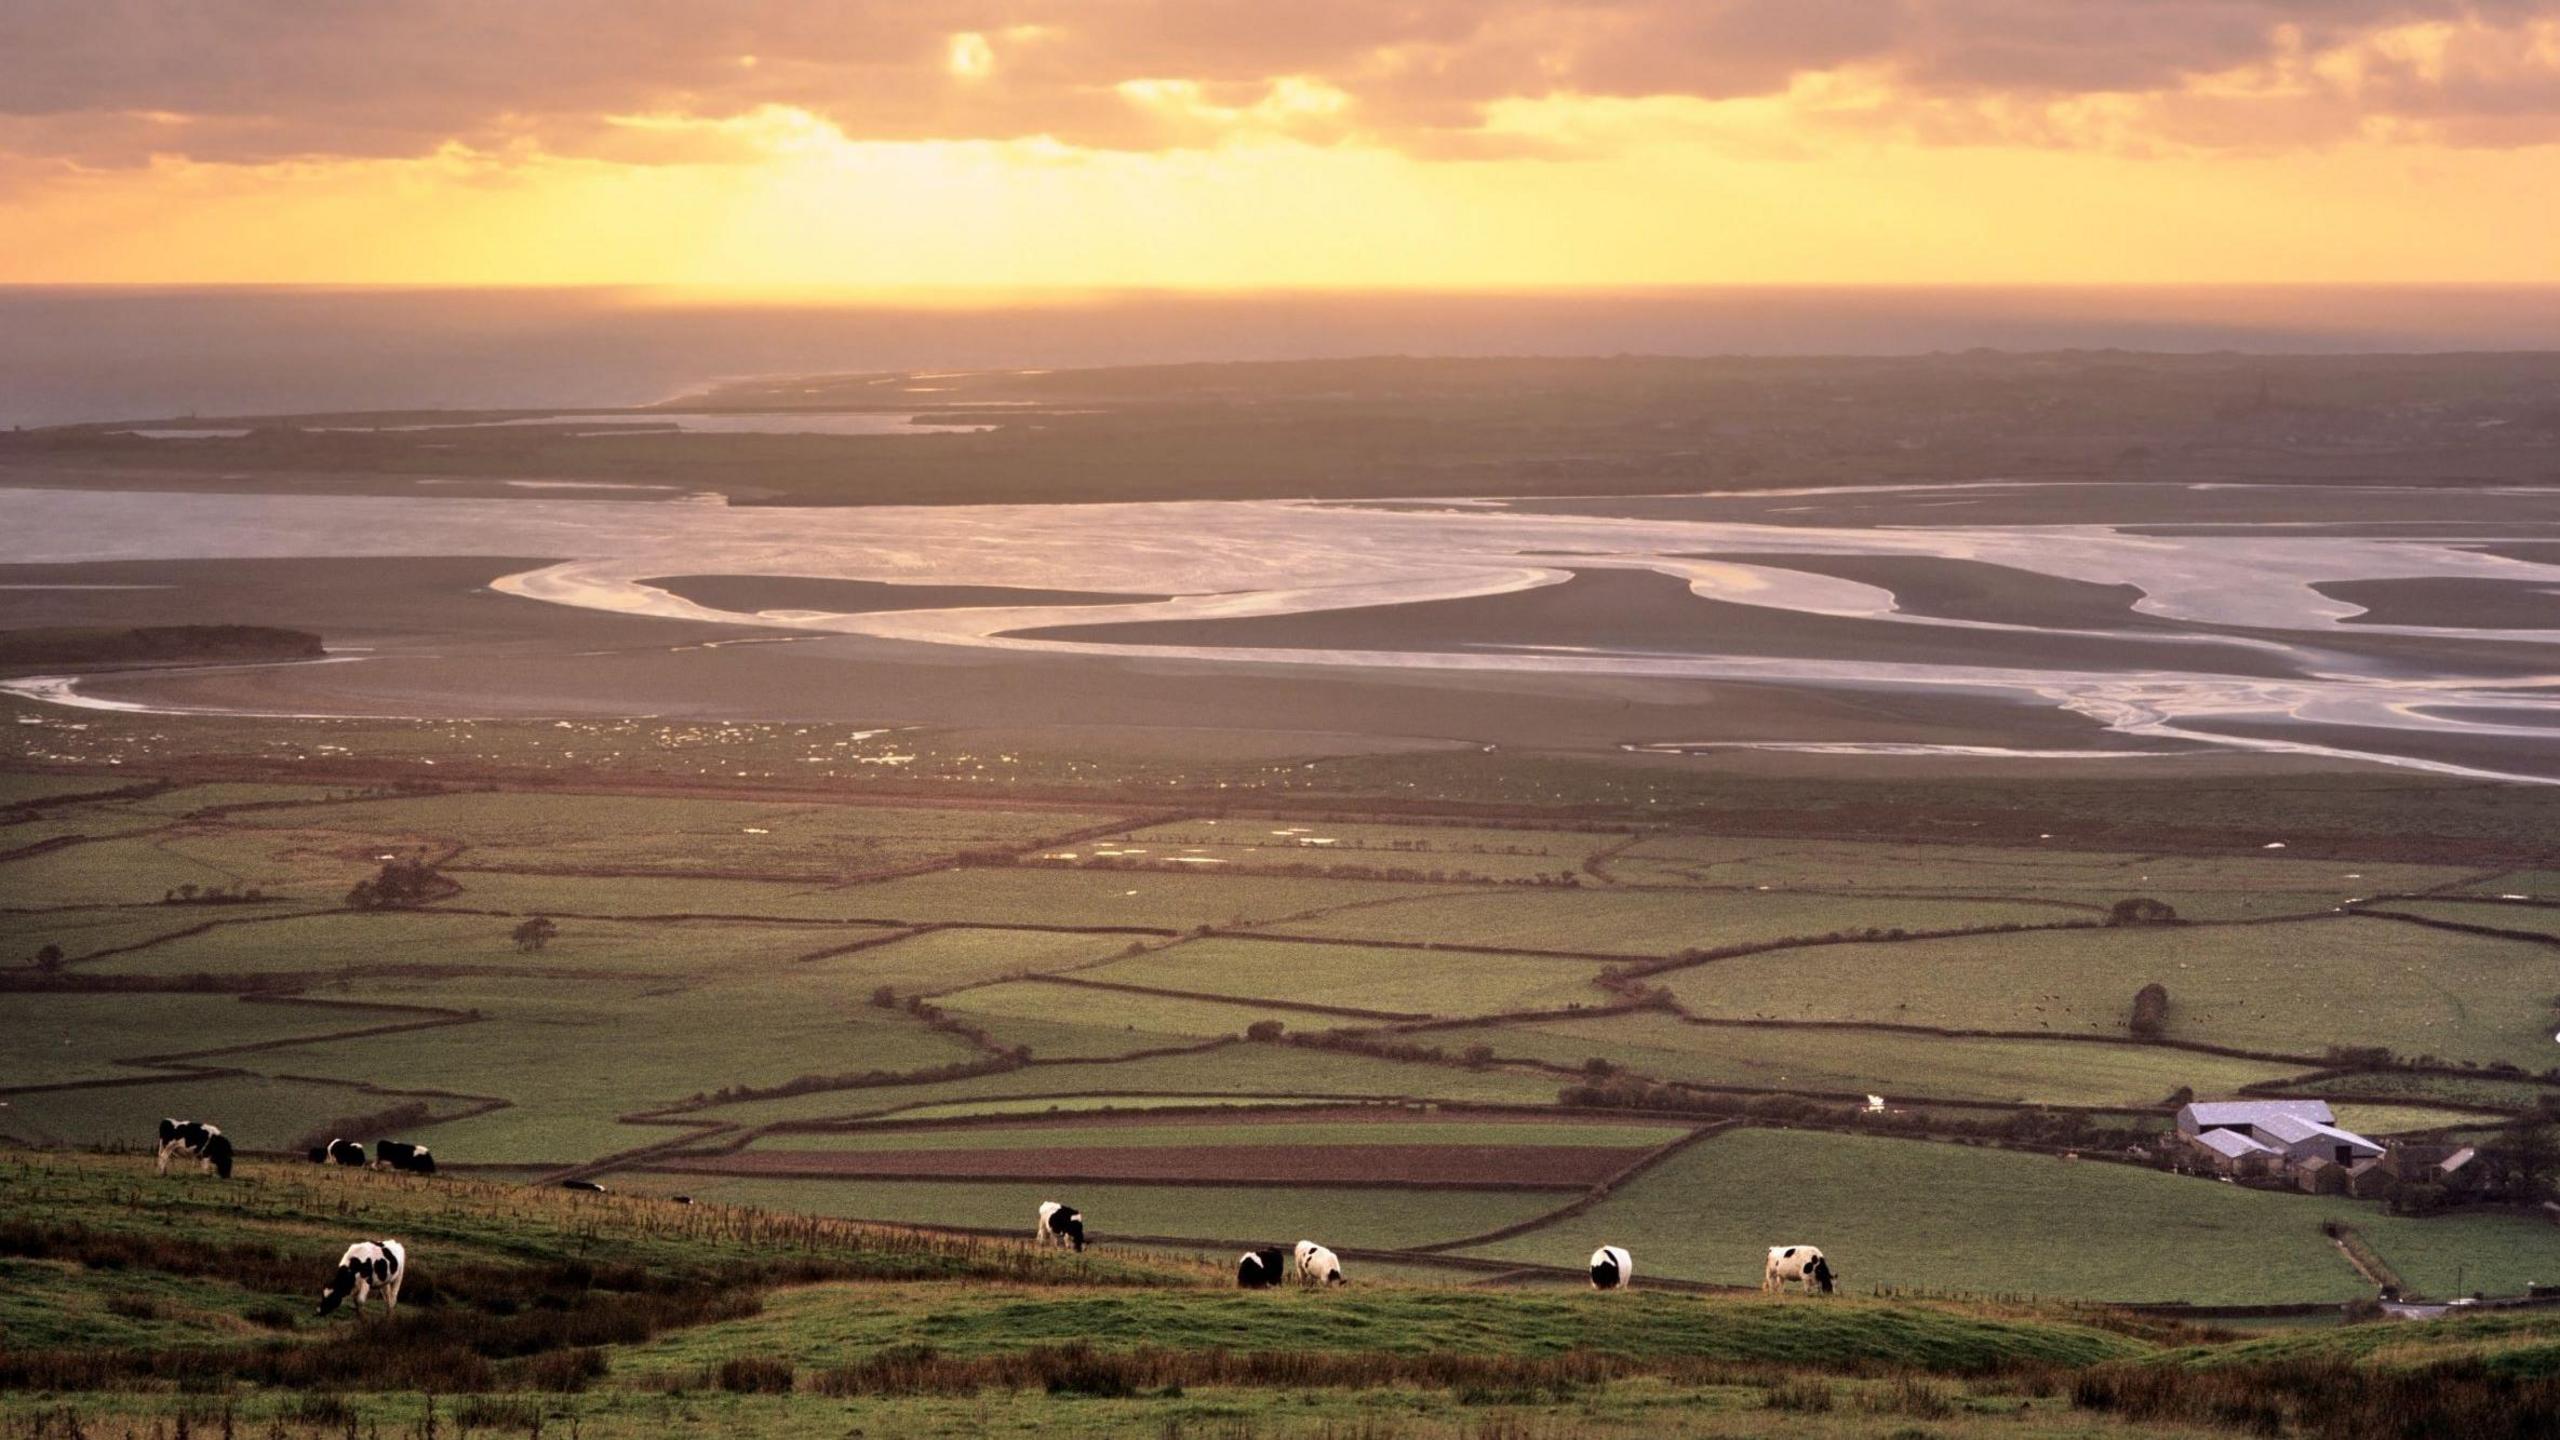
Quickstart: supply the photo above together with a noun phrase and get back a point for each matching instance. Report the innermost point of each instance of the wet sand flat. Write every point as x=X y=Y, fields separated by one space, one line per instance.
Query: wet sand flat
x=401 y=602
x=1954 y=589
x=876 y=682
x=1642 y=611
x=748 y=594
x=2459 y=602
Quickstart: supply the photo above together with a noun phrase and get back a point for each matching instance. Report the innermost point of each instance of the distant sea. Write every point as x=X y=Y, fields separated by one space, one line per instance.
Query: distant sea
x=86 y=353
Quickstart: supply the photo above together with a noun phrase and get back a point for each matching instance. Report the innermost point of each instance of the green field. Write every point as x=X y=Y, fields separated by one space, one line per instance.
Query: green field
x=2483 y=1090
x=1033 y=896
x=54 y=1038
x=1239 y=1069
x=87 y=930
x=782 y=839
x=2035 y=1072
x=1359 y=978
x=393 y=940
x=218 y=1278
x=2202 y=887
x=682 y=1003
x=1911 y=1215
x=1450 y=852
x=1070 y=1020
x=941 y=961
x=2291 y=988
x=1214 y=1131
x=575 y=1054
x=1657 y=922
x=142 y=869
x=1267 y=1214
x=2497 y=915
x=258 y=1112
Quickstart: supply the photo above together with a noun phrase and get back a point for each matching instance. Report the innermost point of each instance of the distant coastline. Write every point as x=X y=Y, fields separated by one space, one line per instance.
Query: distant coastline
x=82 y=353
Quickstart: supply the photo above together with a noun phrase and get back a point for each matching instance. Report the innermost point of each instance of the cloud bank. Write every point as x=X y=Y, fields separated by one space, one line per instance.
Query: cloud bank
x=117 y=83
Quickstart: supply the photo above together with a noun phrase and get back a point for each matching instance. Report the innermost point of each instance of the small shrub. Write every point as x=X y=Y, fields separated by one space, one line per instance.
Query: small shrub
x=1802 y=1394
x=1910 y=1395
x=754 y=1375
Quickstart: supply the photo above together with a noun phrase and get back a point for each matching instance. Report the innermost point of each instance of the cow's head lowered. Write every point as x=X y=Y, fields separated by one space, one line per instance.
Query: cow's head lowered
x=342 y=1283
x=218 y=1151
x=1822 y=1275
x=356 y=1274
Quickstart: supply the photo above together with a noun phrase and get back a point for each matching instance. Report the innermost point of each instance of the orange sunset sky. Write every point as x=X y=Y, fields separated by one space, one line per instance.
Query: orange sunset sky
x=1223 y=144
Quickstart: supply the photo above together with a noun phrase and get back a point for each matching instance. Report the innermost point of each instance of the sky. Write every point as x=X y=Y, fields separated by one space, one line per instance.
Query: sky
x=1239 y=145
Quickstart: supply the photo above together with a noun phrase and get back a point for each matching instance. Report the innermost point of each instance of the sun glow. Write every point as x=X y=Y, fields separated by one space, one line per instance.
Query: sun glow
x=1021 y=155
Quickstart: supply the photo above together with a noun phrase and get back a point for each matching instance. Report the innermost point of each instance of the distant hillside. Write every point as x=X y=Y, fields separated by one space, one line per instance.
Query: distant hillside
x=154 y=644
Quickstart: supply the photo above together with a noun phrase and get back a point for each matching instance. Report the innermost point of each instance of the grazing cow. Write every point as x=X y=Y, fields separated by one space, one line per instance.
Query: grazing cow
x=401 y=1155
x=1318 y=1266
x=338 y=1152
x=368 y=1265
x=589 y=1186
x=681 y=1199
x=197 y=1141
x=1612 y=1268
x=1058 y=1225
x=1261 y=1269
x=1801 y=1263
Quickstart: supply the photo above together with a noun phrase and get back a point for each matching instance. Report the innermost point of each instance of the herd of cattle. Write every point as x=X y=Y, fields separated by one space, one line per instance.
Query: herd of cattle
x=371 y=1265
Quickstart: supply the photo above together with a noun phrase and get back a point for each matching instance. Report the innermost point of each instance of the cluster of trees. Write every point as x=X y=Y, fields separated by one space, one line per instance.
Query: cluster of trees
x=242 y=893
x=936 y=1018
x=403 y=883
x=2142 y=910
x=2150 y=1014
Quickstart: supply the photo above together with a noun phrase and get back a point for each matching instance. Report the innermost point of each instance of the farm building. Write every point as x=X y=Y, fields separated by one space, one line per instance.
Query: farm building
x=2455 y=1167
x=2282 y=1135
x=2371 y=1180
x=2233 y=1153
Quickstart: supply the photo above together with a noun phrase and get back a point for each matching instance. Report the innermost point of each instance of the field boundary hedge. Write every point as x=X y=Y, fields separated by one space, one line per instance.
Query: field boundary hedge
x=1249 y=1002
x=1591 y=1197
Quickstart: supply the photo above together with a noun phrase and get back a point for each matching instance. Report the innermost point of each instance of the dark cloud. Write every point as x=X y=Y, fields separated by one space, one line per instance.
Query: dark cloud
x=111 y=82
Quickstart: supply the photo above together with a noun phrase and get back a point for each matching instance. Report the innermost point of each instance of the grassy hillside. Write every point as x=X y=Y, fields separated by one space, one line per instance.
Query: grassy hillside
x=130 y=1302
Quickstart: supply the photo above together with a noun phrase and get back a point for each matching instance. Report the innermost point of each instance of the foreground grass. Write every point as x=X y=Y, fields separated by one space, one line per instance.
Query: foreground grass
x=1623 y=1411
x=132 y=1306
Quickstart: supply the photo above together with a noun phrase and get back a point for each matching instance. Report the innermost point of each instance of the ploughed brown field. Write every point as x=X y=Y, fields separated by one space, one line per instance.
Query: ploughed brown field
x=1517 y=1167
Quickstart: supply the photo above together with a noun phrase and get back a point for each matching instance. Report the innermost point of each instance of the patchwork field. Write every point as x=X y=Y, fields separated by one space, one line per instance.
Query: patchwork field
x=2296 y=988
x=1308 y=1037
x=1660 y=922
x=2028 y=1072
x=1359 y=977
x=1902 y=1214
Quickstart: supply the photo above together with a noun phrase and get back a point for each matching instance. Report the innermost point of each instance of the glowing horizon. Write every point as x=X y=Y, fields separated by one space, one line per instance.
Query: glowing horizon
x=1033 y=146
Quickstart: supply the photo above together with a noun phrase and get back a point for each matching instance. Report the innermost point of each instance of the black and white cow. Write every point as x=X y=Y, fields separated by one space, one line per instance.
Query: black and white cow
x=589 y=1186
x=1318 y=1266
x=1612 y=1268
x=1058 y=1224
x=338 y=1152
x=1262 y=1269
x=1801 y=1263
x=197 y=1141
x=368 y=1265
x=401 y=1155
